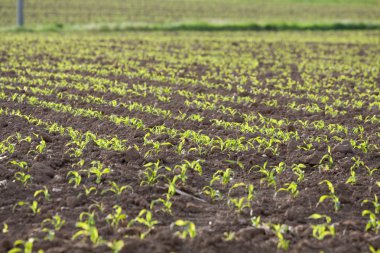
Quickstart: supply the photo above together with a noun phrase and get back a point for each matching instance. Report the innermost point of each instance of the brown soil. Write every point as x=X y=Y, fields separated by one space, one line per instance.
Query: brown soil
x=212 y=218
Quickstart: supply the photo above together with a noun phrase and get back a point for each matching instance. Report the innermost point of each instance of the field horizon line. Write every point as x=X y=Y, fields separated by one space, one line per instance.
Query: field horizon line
x=194 y=26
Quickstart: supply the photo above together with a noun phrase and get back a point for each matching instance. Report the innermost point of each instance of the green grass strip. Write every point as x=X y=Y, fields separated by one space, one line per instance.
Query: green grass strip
x=196 y=26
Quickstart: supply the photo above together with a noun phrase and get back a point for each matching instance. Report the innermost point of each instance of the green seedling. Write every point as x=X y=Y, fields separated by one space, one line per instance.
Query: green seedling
x=281 y=167
x=214 y=194
x=375 y=203
x=181 y=171
x=89 y=190
x=23 y=177
x=21 y=164
x=116 y=246
x=261 y=168
x=291 y=188
x=373 y=223
x=223 y=176
x=320 y=231
x=255 y=221
x=98 y=205
x=189 y=229
x=269 y=178
x=20 y=246
x=145 y=218
x=151 y=174
x=326 y=163
x=373 y=249
x=331 y=195
x=306 y=146
x=238 y=163
x=279 y=230
x=117 y=189
x=363 y=145
x=357 y=164
x=371 y=171
x=116 y=217
x=44 y=192
x=87 y=228
x=299 y=172
x=229 y=236
x=5 y=228
x=244 y=202
x=57 y=222
x=32 y=206
x=195 y=165
x=167 y=204
x=352 y=179
x=98 y=170
x=40 y=147
x=74 y=178
x=172 y=185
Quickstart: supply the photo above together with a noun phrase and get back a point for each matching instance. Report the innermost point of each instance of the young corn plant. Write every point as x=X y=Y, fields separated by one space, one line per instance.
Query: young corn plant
x=279 y=230
x=373 y=223
x=166 y=204
x=87 y=228
x=255 y=221
x=373 y=249
x=116 y=217
x=24 y=246
x=281 y=167
x=375 y=203
x=290 y=188
x=21 y=164
x=172 y=185
x=151 y=174
x=5 y=228
x=181 y=171
x=188 y=229
x=41 y=146
x=357 y=164
x=145 y=218
x=195 y=165
x=320 y=231
x=23 y=178
x=56 y=222
x=326 y=163
x=241 y=203
x=74 y=178
x=98 y=170
x=224 y=177
x=306 y=146
x=229 y=236
x=299 y=172
x=214 y=194
x=116 y=246
x=44 y=192
x=33 y=206
x=330 y=196
x=89 y=190
x=117 y=189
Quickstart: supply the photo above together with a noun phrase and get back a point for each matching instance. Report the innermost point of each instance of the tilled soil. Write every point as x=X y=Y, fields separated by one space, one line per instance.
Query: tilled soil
x=112 y=61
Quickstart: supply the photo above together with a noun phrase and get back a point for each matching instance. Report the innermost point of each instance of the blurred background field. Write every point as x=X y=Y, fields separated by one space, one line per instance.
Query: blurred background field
x=68 y=12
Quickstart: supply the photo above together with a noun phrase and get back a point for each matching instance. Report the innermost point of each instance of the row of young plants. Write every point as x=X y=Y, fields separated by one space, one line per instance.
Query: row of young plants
x=272 y=136
x=225 y=110
x=321 y=104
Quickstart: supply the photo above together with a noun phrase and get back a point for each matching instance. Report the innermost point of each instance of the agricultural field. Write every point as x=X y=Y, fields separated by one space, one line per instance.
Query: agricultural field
x=190 y=142
x=39 y=12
